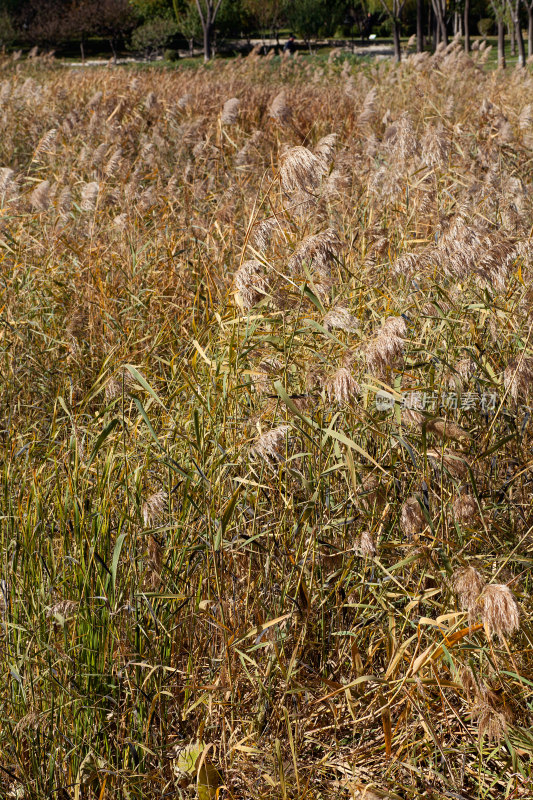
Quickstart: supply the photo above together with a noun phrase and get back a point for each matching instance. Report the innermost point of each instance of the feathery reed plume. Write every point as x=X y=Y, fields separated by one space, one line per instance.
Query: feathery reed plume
x=245 y=156
x=230 y=111
x=492 y=716
x=120 y=221
x=525 y=118
x=318 y=252
x=342 y=386
x=249 y=153
x=89 y=195
x=64 y=608
x=300 y=170
x=457 y=465
x=7 y=184
x=116 y=384
x=95 y=100
x=151 y=102
x=412 y=418
x=44 y=145
x=315 y=378
x=400 y=139
x=190 y=131
x=373 y=494
x=267 y=369
x=499 y=610
x=279 y=109
x=365 y=545
x=250 y=283
x=386 y=350
x=153 y=511
x=368 y=111
x=382 y=354
x=518 y=376
x=469 y=682
x=447 y=429
x=64 y=201
x=98 y=155
x=322 y=287
x=435 y=147
x=40 y=197
x=407 y=263
x=78 y=323
x=339 y=317
x=184 y=101
x=262 y=234
x=495 y=262
x=465 y=508
x=154 y=508
x=70 y=123
x=394 y=326
x=325 y=148
x=147 y=200
x=270 y=446
x=468 y=584
x=412 y=519
x=337 y=183
x=113 y=163
x=463 y=371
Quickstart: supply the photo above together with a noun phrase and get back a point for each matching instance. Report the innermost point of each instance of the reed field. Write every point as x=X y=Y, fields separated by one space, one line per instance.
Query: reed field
x=266 y=430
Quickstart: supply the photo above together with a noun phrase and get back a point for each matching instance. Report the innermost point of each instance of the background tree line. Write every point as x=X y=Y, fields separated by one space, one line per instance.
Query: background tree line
x=153 y=26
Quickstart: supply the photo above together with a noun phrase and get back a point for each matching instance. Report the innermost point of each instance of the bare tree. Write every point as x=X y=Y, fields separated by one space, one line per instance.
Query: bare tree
x=514 y=11
x=114 y=19
x=207 y=11
x=499 y=10
x=529 y=7
x=267 y=13
x=466 y=25
x=44 y=22
x=439 y=8
x=420 y=25
x=393 y=9
x=82 y=22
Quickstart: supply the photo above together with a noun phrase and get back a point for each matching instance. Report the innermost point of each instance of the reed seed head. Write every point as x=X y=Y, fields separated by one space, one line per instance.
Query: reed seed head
x=499 y=610
x=301 y=170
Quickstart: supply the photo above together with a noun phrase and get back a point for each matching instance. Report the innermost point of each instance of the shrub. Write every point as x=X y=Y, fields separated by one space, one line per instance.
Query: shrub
x=485 y=26
x=171 y=55
x=152 y=37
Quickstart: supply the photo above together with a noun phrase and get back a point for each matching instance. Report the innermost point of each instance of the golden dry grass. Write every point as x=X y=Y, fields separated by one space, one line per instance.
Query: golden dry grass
x=211 y=527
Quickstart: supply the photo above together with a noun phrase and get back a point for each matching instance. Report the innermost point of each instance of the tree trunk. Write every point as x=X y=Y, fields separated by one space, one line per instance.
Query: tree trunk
x=501 y=44
x=439 y=7
x=191 y=47
x=521 y=46
x=82 y=50
x=530 y=30
x=113 y=44
x=467 y=26
x=396 y=37
x=517 y=29
x=436 y=33
x=208 y=32
x=512 y=35
x=419 y=26
x=444 y=29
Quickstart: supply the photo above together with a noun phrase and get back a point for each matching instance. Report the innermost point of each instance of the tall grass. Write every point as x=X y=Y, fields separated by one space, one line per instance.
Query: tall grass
x=294 y=603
